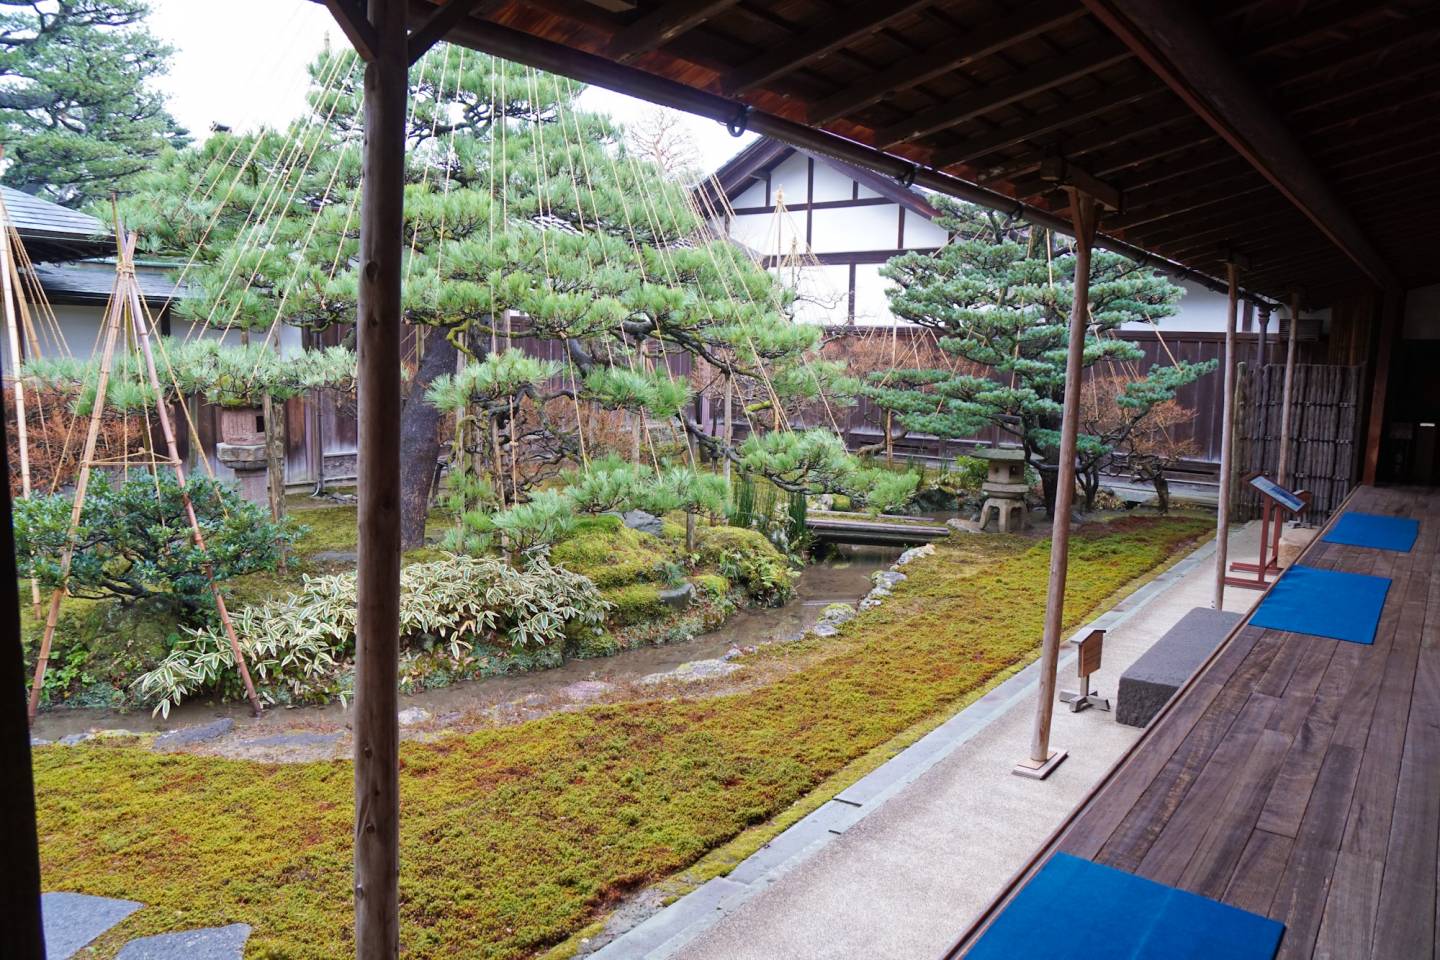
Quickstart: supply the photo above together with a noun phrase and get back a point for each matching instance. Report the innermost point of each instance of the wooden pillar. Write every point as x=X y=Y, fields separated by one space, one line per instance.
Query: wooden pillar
x=1391 y=310
x=1227 y=438
x=1288 y=391
x=1264 y=353
x=20 y=933
x=1042 y=759
x=378 y=315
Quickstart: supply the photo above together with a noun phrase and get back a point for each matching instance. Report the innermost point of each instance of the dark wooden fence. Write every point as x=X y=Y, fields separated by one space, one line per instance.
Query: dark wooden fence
x=1324 y=431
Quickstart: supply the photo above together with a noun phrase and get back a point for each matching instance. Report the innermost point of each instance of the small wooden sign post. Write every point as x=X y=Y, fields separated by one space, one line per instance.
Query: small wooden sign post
x=1090 y=648
x=1277 y=502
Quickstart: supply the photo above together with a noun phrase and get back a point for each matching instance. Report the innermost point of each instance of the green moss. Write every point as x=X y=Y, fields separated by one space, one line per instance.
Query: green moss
x=99 y=647
x=748 y=559
x=515 y=838
x=611 y=554
x=635 y=603
x=711 y=584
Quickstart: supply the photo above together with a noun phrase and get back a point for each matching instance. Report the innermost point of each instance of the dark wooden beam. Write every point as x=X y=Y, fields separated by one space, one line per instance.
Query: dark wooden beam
x=1358 y=52
x=1321 y=20
x=663 y=25
x=444 y=20
x=1102 y=138
x=1047 y=75
x=1391 y=315
x=984 y=40
x=836 y=31
x=1178 y=46
x=350 y=15
x=377 y=629
x=21 y=935
x=1082 y=108
x=1067 y=175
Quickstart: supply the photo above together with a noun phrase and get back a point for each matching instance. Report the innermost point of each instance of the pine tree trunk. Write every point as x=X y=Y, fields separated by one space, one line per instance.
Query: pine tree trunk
x=275 y=462
x=420 y=440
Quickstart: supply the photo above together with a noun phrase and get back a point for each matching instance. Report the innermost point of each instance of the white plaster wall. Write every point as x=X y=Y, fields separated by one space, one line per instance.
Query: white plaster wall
x=1199 y=311
x=872 y=306
x=1422 y=313
x=831 y=184
x=768 y=233
x=921 y=234
x=847 y=229
x=751 y=196
x=790 y=175
x=823 y=292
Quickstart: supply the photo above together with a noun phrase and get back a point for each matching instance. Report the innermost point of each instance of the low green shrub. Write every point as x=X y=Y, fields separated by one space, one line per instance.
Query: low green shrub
x=295 y=645
x=747 y=558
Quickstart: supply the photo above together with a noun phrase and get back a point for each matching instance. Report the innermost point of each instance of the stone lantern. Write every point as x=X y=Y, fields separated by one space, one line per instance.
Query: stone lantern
x=1004 y=488
x=242 y=448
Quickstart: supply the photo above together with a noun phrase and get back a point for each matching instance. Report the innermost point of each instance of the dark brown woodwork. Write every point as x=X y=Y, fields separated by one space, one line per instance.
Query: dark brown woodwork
x=1082 y=108
x=376 y=724
x=350 y=15
x=1180 y=49
x=982 y=41
x=1359 y=51
x=666 y=23
x=21 y=936
x=1102 y=138
x=1083 y=61
x=834 y=32
x=442 y=21
x=420 y=438
x=1391 y=315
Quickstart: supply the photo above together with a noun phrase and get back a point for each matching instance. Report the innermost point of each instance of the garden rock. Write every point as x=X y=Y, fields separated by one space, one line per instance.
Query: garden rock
x=825 y=628
x=915 y=553
x=888 y=578
x=413 y=715
x=37 y=742
x=837 y=613
x=71 y=739
x=693 y=672
x=678 y=597
x=71 y=920
x=211 y=943
x=199 y=733
x=295 y=740
x=643 y=522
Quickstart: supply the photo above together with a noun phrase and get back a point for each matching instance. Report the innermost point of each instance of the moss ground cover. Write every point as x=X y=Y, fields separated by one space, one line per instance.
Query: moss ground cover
x=516 y=837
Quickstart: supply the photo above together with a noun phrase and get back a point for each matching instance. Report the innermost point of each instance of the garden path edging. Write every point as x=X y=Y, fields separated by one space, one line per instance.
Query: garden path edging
x=670 y=929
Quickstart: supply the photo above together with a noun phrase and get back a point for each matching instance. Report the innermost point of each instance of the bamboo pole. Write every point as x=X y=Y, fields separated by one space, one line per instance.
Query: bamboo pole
x=87 y=456
x=1287 y=391
x=11 y=292
x=126 y=272
x=1042 y=760
x=1227 y=434
x=378 y=319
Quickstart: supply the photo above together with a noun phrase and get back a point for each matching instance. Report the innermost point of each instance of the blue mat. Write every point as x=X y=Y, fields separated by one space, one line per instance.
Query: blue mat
x=1077 y=910
x=1357 y=529
x=1325 y=603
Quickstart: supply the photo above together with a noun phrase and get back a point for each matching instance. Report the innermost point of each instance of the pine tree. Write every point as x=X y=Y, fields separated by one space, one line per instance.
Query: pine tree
x=525 y=216
x=76 y=106
x=1000 y=296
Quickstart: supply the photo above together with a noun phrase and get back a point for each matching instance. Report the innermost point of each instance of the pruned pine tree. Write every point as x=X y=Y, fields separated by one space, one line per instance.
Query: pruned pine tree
x=80 y=118
x=525 y=217
x=1000 y=294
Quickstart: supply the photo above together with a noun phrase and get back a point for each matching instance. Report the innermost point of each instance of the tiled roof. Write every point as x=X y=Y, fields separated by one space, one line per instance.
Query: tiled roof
x=90 y=282
x=53 y=232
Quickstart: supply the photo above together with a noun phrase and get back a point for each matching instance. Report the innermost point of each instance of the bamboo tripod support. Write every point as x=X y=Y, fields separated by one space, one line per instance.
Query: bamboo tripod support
x=14 y=313
x=125 y=299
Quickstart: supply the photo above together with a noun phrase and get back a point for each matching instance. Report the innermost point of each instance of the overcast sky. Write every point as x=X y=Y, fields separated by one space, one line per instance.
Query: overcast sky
x=243 y=65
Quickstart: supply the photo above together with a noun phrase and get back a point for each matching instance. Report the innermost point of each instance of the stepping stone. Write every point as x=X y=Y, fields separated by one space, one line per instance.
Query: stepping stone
x=211 y=943
x=199 y=733
x=71 y=920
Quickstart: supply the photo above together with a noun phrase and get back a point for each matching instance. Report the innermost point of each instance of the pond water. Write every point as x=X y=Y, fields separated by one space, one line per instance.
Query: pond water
x=843 y=576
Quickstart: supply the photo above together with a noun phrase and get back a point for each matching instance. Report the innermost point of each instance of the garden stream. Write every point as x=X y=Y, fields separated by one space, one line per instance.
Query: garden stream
x=317 y=732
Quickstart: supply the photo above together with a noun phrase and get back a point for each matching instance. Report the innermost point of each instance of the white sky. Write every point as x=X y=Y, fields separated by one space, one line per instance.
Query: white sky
x=243 y=65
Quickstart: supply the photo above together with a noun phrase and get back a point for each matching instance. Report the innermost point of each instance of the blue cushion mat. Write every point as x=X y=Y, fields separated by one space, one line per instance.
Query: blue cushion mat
x=1325 y=603
x=1356 y=529
x=1074 y=909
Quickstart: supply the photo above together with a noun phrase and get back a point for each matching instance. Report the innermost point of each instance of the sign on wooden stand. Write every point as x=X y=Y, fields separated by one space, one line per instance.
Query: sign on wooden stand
x=1277 y=502
x=1089 y=649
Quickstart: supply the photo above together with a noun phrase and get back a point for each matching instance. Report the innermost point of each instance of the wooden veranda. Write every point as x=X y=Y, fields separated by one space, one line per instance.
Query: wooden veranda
x=1297 y=777
x=1281 y=150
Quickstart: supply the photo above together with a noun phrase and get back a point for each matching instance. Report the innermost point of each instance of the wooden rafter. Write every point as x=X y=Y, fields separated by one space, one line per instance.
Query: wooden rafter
x=1040 y=124
x=835 y=32
x=985 y=39
x=1047 y=75
x=355 y=24
x=1102 y=138
x=1361 y=50
x=663 y=25
x=1179 y=48
x=443 y=20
